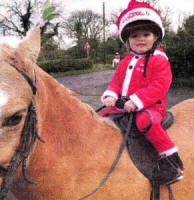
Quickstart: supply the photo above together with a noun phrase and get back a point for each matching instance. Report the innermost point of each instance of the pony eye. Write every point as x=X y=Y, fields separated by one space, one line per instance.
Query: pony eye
x=12 y=121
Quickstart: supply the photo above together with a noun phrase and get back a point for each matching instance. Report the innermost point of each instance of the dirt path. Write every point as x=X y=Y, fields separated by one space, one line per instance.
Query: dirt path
x=90 y=87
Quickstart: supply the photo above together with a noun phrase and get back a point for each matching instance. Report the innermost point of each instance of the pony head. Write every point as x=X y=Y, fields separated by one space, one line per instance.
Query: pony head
x=15 y=91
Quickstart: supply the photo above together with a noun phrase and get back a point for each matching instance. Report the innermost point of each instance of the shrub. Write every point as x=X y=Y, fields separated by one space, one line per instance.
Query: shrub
x=183 y=82
x=63 y=65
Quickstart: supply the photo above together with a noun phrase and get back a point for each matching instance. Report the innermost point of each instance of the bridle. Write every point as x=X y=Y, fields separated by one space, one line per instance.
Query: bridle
x=28 y=137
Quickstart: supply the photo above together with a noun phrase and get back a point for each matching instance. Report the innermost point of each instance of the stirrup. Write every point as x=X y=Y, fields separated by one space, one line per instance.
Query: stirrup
x=176 y=179
x=171 y=169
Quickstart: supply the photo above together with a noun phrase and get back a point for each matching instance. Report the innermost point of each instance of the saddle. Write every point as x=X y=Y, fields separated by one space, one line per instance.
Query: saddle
x=142 y=153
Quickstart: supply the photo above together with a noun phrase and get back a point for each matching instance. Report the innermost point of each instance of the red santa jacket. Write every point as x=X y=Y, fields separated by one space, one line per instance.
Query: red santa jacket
x=129 y=80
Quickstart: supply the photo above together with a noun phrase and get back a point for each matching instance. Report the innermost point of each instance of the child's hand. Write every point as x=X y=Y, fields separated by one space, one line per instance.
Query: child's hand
x=109 y=101
x=130 y=106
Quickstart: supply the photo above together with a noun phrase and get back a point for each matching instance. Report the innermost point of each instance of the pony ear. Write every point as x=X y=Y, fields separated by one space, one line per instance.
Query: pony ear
x=25 y=54
x=30 y=45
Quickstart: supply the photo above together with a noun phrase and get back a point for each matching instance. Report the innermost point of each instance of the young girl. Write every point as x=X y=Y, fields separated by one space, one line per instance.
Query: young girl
x=144 y=76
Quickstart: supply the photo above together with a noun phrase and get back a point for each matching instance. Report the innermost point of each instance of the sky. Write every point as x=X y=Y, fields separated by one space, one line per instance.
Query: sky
x=177 y=5
x=179 y=8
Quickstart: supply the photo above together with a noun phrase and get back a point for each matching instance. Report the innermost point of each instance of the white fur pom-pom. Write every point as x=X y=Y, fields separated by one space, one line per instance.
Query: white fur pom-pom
x=114 y=30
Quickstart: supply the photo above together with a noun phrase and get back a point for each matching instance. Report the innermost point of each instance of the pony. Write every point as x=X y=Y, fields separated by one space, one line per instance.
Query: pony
x=79 y=147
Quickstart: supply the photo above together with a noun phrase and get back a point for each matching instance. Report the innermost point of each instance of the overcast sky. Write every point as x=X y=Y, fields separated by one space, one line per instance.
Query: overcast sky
x=178 y=7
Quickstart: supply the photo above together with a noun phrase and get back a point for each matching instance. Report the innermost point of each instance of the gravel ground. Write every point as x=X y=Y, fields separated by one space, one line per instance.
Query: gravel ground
x=90 y=87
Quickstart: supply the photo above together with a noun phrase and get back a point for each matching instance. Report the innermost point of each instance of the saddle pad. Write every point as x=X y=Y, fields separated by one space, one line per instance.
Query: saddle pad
x=142 y=153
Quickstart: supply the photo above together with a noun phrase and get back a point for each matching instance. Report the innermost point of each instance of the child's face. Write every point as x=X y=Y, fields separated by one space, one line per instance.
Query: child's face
x=141 y=41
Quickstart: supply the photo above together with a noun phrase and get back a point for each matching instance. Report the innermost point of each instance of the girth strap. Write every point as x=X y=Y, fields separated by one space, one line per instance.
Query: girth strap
x=155 y=193
x=171 y=195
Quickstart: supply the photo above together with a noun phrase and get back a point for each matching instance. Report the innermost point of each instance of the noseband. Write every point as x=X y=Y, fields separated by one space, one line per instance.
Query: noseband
x=28 y=137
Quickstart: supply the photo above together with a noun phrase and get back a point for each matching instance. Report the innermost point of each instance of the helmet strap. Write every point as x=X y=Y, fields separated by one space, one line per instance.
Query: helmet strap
x=148 y=53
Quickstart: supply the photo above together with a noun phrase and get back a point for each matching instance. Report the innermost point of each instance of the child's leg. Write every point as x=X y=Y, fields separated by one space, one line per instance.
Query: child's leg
x=163 y=144
x=156 y=134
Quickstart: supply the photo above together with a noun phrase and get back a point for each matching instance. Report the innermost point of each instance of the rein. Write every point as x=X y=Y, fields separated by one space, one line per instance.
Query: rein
x=28 y=137
x=123 y=145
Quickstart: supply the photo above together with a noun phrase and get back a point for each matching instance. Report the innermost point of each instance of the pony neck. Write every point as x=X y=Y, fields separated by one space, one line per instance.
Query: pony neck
x=57 y=107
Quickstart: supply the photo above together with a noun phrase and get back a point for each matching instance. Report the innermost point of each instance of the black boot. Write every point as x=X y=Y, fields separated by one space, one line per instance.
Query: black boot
x=171 y=169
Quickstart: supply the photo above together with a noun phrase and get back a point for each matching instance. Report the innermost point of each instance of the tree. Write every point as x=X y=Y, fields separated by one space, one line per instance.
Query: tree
x=189 y=25
x=84 y=26
x=18 y=20
x=180 y=48
x=74 y=29
x=22 y=15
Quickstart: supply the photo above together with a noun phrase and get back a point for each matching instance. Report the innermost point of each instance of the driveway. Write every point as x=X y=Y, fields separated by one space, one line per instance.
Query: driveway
x=90 y=87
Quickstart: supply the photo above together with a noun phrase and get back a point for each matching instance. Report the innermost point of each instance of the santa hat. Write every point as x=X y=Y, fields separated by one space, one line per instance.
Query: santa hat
x=138 y=11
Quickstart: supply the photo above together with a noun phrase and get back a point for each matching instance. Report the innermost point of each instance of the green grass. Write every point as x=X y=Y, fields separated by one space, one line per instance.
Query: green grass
x=96 y=67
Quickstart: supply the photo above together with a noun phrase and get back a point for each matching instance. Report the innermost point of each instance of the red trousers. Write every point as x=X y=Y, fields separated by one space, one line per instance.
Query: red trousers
x=156 y=134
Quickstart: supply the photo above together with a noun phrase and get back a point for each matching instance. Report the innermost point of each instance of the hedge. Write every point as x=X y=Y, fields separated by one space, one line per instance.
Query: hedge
x=183 y=82
x=63 y=65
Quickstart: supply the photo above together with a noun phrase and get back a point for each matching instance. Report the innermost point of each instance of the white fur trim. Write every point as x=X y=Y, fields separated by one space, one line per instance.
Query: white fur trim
x=158 y=52
x=108 y=93
x=137 y=101
x=170 y=151
x=140 y=14
x=128 y=76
